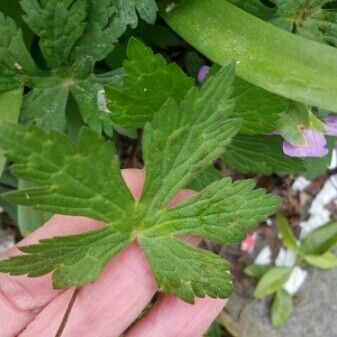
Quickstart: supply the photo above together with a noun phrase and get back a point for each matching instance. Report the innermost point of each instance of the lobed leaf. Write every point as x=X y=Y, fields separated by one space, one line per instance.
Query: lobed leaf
x=59 y=24
x=148 y=83
x=222 y=212
x=73 y=260
x=84 y=179
x=186 y=271
x=71 y=179
x=180 y=143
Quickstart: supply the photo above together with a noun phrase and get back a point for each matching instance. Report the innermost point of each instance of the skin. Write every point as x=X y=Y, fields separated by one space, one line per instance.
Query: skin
x=106 y=308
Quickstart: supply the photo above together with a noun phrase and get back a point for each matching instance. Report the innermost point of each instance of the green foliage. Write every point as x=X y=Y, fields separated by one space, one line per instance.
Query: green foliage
x=287 y=235
x=148 y=83
x=10 y=104
x=256 y=270
x=260 y=154
x=84 y=179
x=16 y=64
x=324 y=261
x=282 y=308
x=285 y=64
x=260 y=109
x=272 y=281
x=308 y=18
x=321 y=240
x=314 y=251
x=291 y=124
x=73 y=36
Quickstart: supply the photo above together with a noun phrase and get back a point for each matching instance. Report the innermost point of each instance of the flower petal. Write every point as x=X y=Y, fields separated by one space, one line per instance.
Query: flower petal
x=331 y=125
x=316 y=146
x=203 y=72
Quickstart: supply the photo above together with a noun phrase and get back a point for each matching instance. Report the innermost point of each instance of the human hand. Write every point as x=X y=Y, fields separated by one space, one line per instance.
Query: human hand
x=32 y=308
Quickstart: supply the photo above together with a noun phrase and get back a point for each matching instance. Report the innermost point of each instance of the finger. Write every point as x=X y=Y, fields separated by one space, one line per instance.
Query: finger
x=24 y=295
x=171 y=317
x=104 y=308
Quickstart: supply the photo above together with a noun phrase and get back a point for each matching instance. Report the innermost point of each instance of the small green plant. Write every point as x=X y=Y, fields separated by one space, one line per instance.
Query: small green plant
x=84 y=179
x=315 y=250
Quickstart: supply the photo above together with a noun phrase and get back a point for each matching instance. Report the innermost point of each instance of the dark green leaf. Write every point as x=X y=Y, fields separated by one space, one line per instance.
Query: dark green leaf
x=146 y=73
x=84 y=179
x=46 y=107
x=260 y=154
x=15 y=61
x=59 y=24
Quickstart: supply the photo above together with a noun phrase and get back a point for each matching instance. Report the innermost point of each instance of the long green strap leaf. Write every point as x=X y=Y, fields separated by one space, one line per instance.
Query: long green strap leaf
x=266 y=56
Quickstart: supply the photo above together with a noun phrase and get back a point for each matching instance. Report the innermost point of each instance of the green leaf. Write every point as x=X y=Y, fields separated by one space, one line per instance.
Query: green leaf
x=205 y=178
x=287 y=235
x=146 y=73
x=29 y=219
x=71 y=180
x=256 y=270
x=280 y=62
x=321 y=240
x=255 y=7
x=191 y=139
x=84 y=179
x=108 y=20
x=46 y=107
x=260 y=109
x=260 y=154
x=292 y=123
x=242 y=207
x=59 y=24
x=272 y=281
x=324 y=261
x=200 y=273
x=75 y=260
x=91 y=102
x=282 y=308
x=10 y=105
x=308 y=19
x=15 y=61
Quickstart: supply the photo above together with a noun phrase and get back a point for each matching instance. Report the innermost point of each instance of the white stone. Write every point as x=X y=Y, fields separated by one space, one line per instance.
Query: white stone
x=285 y=258
x=264 y=257
x=300 y=184
x=295 y=281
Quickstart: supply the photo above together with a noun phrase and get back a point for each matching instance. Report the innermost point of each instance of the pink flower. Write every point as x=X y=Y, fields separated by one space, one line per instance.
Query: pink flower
x=249 y=243
x=203 y=72
x=316 y=145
